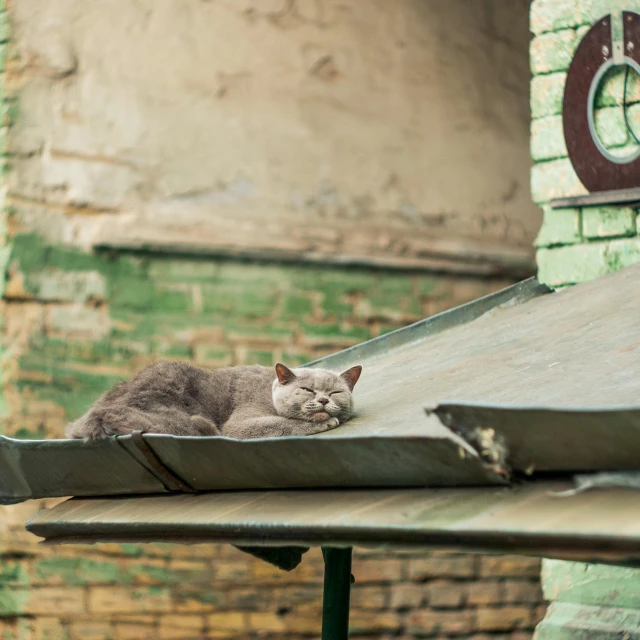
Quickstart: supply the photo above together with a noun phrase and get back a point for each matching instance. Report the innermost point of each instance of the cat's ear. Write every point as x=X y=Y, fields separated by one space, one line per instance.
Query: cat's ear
x=285 y=375
x=350 y=376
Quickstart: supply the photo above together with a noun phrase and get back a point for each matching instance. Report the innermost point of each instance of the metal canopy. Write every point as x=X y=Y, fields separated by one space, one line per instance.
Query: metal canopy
x=572 y=359
x=520 y=382
x=369 y=451
x=528 y=519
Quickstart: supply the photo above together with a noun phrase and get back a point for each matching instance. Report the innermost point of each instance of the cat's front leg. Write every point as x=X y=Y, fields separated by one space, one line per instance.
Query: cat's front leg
x=204 y=426
x=309 y=428
x=273 y=427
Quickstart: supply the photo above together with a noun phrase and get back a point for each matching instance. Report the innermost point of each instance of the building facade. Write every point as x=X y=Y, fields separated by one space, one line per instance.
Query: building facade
x=245 y=182
x=575 y=245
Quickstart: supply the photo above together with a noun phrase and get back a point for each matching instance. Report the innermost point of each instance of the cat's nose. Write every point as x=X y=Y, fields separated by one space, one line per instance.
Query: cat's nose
x=323 y=400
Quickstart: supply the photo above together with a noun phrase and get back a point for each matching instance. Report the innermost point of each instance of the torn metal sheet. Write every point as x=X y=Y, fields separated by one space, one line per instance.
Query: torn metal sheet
x=593 y=526
x=550 y=440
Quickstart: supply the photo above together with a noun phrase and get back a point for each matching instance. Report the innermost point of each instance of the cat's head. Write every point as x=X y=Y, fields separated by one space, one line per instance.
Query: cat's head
x=314 y=394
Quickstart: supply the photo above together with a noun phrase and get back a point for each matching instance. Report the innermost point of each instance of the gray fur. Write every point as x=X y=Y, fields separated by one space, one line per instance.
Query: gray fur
x=237 y=402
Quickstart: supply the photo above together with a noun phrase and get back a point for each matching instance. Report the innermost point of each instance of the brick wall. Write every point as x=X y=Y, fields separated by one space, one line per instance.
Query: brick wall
x=208 y=591
x=575 y=245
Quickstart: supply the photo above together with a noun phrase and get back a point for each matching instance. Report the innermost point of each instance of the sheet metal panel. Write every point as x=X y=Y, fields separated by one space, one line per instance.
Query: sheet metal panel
x=574 y=349
x=59 y=468
x=527 y=519
x=545 y=440
x=339 y=461
x=113 y=466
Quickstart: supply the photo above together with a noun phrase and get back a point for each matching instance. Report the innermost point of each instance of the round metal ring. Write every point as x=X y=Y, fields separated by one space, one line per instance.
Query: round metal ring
x=595 y=83
x=596 y=167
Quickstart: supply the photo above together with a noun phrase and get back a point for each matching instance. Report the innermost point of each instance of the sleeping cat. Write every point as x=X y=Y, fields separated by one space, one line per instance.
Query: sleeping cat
x=237 y=402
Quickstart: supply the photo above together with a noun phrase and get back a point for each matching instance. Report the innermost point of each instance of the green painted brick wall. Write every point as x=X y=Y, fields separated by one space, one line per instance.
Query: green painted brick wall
x=576 y=245
x=95 y=318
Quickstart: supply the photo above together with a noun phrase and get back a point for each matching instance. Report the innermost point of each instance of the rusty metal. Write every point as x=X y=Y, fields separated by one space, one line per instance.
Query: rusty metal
x=591 y=526
x=597 y=169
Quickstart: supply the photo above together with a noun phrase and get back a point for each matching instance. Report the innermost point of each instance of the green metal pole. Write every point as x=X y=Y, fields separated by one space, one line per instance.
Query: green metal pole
x=337 y=593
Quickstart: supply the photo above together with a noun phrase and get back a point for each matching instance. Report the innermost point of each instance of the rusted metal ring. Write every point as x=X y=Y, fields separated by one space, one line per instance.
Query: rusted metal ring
x=597 y=168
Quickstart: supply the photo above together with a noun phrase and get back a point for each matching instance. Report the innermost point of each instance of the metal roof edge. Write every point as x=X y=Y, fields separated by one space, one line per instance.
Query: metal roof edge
x=547 y=439
x=518 y=293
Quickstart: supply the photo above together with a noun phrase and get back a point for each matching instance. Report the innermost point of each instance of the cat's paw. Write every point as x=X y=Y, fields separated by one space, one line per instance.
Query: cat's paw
x=331 y=423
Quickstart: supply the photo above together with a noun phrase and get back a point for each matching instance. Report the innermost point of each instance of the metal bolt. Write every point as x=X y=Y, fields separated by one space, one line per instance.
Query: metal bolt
x=630 y=46
x=605 y=50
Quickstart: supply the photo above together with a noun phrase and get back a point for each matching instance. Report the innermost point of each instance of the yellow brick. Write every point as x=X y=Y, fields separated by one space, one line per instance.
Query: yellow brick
x=148 y=619
x=229 y=621
x=231 y=570
x=147 y=570
x=107 y=600
x=9 y=629
x=180 y=627
x=135 y=627
x=267 y=622
x=181 y=564
x=369 y=622
x=192 y=605
x=45 y=628
x=302 y=623
x=504 y=618
x=55 y=601
x=132 y=631
x=90 y=630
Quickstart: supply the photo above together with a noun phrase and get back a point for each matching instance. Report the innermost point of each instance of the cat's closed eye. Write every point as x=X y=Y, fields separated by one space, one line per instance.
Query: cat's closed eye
x=333 y=393
x=307 y=390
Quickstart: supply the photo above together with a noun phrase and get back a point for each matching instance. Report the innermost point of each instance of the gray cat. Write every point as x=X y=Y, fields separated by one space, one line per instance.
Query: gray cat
x=237 y=402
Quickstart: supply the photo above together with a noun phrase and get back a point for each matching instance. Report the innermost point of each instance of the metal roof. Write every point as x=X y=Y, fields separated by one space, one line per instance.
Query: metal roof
x=527 y=519
x=394 y=447
x=521 y=385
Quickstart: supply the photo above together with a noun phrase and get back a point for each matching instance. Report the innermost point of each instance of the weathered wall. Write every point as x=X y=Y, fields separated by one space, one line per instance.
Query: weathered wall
x=395 y=131
x=589 y=601
x=576 y=245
